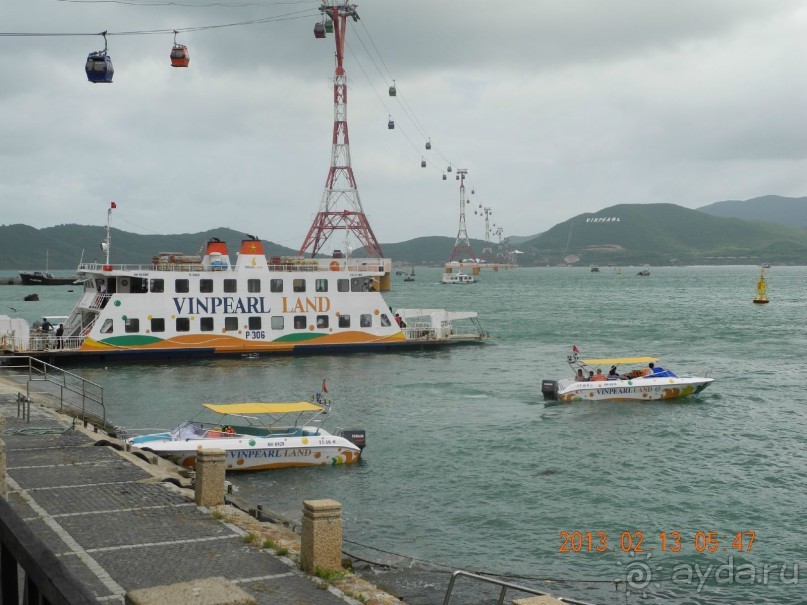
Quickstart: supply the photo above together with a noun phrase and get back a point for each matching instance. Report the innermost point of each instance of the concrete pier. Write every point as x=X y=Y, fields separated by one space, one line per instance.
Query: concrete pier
x=128 y=528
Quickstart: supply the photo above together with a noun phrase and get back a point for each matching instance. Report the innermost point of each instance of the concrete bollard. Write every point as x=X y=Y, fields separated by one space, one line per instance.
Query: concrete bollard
x=321 y=541
x=3 y=482
x=209 y=490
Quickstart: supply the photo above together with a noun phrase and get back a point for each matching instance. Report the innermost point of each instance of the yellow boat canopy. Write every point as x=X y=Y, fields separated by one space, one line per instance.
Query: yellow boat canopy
x=263 y=408
x=602 y=362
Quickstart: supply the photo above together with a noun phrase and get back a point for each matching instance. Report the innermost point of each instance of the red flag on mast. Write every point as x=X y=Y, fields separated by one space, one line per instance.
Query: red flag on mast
x=574 y=349
x=324 y=386
x=113 y=205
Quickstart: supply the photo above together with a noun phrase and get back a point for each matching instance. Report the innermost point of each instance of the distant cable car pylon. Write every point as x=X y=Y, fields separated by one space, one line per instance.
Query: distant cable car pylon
x=340 y=185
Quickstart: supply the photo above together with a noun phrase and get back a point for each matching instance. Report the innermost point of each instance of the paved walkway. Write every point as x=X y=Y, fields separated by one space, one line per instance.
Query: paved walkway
x=117 y=527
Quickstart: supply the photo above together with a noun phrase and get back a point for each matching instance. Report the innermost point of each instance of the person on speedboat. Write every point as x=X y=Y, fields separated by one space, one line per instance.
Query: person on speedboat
x=658 y=372
x=580 y=377
x=599 y=376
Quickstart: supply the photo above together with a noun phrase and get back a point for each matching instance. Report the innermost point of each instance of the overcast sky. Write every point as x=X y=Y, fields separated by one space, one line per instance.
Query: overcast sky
x=555 y=107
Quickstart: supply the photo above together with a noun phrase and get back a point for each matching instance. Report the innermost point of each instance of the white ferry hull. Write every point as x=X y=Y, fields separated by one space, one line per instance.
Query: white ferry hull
x=188 y=307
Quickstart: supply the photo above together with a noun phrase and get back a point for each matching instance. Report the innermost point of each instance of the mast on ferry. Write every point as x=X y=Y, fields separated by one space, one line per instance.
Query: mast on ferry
x=340 y=208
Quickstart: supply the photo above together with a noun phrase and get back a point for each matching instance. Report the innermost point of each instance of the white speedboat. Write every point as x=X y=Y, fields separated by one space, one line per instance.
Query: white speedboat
x=457 y=278
x=639 y=380
x=258 y=436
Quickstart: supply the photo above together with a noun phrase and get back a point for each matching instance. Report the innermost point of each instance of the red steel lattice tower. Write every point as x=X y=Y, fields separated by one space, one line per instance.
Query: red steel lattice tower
x=462 y=243
x=340 y=208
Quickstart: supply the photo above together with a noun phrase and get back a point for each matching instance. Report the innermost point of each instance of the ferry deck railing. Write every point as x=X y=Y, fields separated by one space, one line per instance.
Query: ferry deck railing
x=78 y=397
x=505 y=586
x=363 y=265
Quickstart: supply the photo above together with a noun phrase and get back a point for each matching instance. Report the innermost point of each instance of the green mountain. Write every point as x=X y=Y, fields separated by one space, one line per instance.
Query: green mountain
x=663 y=234
x=434 y=250
x=626 y=234
x=62 y=247
x=790 y=211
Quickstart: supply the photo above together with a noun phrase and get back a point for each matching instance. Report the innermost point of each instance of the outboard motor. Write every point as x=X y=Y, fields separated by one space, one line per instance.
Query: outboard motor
x=550 y=389
x=357 y=437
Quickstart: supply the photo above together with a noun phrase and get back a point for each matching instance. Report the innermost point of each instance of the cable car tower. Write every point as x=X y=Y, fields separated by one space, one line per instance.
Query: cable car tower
x=462 y=243
x=340 y=208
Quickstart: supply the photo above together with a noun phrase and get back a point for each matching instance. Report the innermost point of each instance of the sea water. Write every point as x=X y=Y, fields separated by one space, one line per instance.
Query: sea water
x=698 y=500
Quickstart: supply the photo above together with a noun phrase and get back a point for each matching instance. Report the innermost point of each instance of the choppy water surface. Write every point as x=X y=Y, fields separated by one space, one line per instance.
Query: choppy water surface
x=467 y=467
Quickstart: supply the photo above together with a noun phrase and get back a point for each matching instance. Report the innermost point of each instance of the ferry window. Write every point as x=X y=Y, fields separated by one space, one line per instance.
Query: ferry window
x=139 y=285
x=206 y=324
x=298 y=285
x=299 y=322
x=107 y=327
x=131 y=325
x=254 y=323
x=157 y=324
x=344 y=321
x=360 y=284
x=385 y=320
x=321 y=285
x=366 y=320
x=230 y=324
x=322 y=321
x=343 y=285
x=206 y=285
x=183 y=324
x=276 y=285
x=230 y=285
x=157 y=285
x=182 y=286
x=277 y=322
x=253 y=285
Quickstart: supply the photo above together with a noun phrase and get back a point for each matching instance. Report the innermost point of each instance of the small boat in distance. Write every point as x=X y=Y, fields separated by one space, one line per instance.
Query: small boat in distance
x=644 y=273
x=457 y=278
x=762 y=288
x=258 y=436
x=44 y=278
x=410 y=276
x=642 y=382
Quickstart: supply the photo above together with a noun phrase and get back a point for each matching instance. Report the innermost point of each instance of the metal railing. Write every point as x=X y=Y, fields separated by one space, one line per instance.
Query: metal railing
x=505 y=586
x=78 y=397
x=46 y=580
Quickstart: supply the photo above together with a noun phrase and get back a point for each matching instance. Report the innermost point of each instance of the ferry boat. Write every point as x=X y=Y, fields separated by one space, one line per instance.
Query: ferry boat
x=200 y=306
x=457 y=278
x=643 y=382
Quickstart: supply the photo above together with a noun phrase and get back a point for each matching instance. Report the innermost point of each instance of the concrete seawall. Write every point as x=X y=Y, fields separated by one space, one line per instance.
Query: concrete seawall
x=127 y=526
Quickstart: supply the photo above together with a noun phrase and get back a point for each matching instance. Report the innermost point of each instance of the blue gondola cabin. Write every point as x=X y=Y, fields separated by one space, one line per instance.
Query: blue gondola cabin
x=99 y=68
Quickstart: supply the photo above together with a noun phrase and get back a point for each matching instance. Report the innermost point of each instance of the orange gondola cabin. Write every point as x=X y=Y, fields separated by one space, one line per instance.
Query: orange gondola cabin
x=180 y=57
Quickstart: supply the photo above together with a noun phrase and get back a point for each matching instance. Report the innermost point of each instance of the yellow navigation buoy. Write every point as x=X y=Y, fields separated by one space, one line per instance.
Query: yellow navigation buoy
x=762 y=296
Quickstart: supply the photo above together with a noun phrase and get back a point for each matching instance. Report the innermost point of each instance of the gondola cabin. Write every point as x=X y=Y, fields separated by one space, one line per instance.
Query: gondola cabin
x=99 y=67
x=391 y=123
x=180 y=57
x=423 y=163
x=319 y=30
x=328 y=26
x=429 y=144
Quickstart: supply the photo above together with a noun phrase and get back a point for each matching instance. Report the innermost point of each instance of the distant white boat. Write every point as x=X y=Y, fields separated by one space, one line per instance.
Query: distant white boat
x=457 y=278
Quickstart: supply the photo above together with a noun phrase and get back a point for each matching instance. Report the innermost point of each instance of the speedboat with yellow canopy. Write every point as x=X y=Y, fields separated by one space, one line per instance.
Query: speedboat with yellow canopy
x=621 y=378
x=258 y=436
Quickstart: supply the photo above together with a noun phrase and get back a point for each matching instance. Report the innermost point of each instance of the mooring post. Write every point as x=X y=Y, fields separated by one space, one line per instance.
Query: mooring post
x=209 y=488
x=321 y=541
